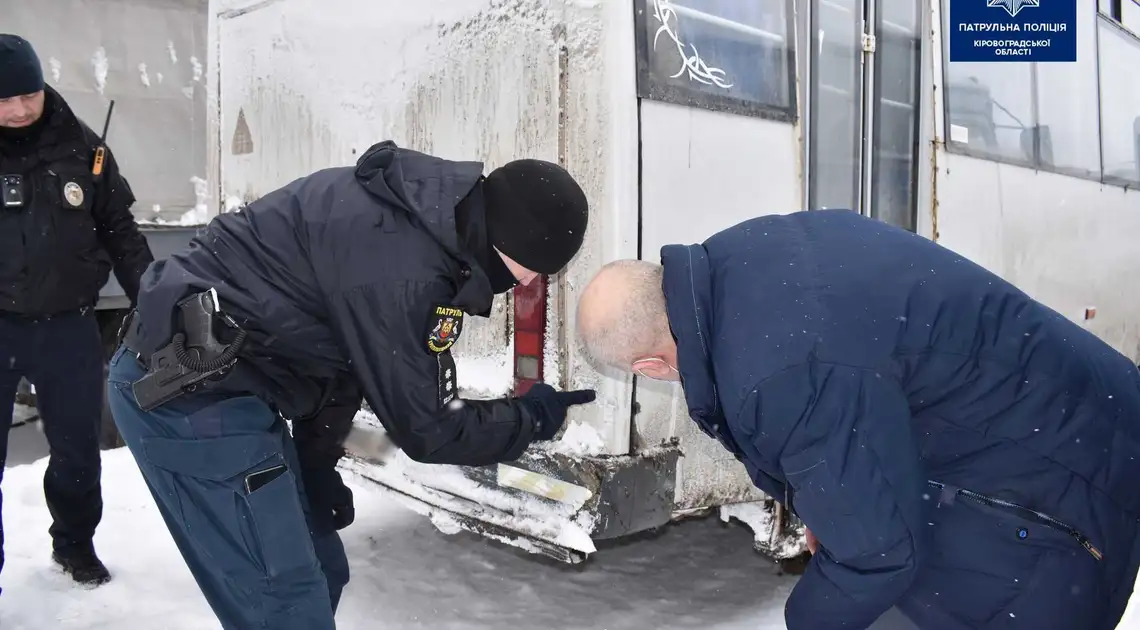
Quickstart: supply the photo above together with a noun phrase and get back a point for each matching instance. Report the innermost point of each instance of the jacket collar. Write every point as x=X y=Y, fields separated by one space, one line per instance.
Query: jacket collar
x=58 y=125
x=689 y=306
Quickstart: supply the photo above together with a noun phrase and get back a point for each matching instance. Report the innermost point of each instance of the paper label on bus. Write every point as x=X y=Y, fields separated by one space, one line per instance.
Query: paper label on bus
x=543 y=485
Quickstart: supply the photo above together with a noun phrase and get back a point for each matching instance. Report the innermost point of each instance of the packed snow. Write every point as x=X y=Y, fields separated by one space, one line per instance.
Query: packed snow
x=485 y=376
x=406 y=573
x=196 y=216
x=579 y=438
x=447 y=487
x=233 y=203
x=200 y=213
x=56 y=69
x=100 y=65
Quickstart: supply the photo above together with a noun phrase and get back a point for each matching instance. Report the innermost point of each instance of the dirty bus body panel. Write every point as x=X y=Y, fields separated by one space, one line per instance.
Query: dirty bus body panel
x=301 y=86
x=149 y=57
x=679 y=118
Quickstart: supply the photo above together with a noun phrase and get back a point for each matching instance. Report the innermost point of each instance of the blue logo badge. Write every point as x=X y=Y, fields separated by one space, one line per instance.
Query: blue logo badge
x=1013 y=30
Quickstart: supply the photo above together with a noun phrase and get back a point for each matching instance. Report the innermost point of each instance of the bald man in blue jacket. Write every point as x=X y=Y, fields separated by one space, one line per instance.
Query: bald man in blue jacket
x=959 y=450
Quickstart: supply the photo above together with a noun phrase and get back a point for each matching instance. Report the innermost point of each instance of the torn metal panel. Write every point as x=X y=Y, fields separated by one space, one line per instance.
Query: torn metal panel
x=558 y=504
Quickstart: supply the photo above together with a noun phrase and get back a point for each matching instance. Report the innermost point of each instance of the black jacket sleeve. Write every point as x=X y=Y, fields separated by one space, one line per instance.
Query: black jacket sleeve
x=384 y=329
x=117 y=230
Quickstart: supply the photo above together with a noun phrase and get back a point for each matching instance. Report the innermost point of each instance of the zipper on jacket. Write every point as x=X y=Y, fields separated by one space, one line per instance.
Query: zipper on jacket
x=1028 y=514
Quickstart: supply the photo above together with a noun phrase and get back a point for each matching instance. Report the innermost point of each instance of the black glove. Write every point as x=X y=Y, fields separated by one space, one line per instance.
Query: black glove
x=329 y=499
x=322 y=436
x=320 y=445
x=549 y=407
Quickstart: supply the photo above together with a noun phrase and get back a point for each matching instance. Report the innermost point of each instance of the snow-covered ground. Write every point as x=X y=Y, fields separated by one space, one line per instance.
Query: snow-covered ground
x=405 y=573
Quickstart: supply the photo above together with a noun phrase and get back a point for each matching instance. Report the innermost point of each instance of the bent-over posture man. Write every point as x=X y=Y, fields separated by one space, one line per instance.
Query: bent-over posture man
x=958 y=449
x=353 y=280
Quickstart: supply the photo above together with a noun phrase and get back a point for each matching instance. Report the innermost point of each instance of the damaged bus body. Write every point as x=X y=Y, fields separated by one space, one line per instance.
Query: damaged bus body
x=679 y=118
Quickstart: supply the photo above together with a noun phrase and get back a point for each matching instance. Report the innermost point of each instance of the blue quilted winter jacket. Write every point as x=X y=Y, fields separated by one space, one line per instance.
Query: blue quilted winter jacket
x=960 y=450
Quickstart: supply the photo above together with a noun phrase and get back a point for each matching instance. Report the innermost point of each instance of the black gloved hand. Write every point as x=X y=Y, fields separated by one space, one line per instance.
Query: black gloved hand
x=329 y=499
x=322 y=436
x=320 y=445
x=550 y=407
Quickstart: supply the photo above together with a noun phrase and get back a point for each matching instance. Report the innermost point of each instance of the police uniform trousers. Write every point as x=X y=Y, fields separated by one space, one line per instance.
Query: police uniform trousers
x=247 y=538
x=62 y=356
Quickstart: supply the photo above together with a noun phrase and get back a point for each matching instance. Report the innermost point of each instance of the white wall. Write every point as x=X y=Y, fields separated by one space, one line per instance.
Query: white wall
x=320 y=81
x=600 y=149
x=702 y=172
x=1068 y=242
x=92 y=51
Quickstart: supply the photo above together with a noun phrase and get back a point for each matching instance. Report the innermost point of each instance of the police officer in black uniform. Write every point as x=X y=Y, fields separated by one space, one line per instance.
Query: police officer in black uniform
x=62 y=230
x=350 y=283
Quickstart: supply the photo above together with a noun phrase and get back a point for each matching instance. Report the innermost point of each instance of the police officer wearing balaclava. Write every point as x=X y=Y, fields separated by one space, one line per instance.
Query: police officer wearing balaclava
x=63 y=228
x=352 y=281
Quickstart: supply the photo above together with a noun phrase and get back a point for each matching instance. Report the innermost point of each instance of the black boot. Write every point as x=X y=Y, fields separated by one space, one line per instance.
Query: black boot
x=82 y=565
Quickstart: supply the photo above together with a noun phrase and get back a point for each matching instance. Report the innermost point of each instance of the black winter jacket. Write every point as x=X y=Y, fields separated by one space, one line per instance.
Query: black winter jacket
x=58 y=249
x=336 y=277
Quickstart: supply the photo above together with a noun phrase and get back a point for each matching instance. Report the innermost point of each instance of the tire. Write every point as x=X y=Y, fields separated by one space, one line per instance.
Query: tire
x=109 y=322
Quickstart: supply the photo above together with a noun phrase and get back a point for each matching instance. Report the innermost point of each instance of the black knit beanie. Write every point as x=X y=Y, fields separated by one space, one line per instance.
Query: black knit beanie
x=20 y=69
x=536 y=214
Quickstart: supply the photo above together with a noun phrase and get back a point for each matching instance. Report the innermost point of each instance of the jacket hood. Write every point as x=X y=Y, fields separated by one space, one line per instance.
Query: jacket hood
x=428 y=188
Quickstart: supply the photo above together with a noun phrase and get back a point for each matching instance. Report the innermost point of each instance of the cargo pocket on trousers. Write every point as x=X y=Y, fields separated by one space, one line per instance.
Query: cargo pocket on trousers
x=282 y=530
x=202 y=482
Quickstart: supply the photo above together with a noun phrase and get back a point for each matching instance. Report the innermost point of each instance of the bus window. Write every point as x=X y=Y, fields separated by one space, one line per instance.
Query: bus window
x=1068 y=136
x=898 y=59
x=836 y=104
x=1130 y=15
x=989 y=107
x=1044 y=115
x=724 y=55
x=1119 y=104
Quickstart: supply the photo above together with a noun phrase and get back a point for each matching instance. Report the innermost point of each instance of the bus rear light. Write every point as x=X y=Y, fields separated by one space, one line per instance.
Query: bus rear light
x=530 y=333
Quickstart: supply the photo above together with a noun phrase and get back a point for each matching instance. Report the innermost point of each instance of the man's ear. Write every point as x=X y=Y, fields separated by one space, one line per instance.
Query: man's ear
x=654 y=368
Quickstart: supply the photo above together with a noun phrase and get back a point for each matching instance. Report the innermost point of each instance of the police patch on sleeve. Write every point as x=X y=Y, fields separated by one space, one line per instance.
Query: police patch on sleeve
x=447 y=378
x=444 y=328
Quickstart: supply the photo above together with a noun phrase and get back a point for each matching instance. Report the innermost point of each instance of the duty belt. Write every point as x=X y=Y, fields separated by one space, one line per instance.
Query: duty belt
x=193 y=356
x=129 y=335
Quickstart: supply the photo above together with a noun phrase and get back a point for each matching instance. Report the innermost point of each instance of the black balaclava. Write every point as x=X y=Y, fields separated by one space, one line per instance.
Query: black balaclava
x=470 y=223
x=536 y=214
